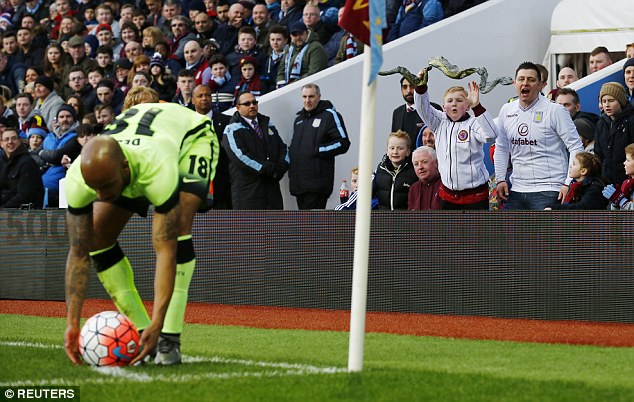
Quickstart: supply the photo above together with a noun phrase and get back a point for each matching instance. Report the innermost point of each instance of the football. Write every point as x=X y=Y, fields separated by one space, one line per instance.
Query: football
x=108 y=339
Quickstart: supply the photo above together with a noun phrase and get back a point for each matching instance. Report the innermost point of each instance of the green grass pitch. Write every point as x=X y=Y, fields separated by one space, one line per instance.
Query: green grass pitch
x=225 y=363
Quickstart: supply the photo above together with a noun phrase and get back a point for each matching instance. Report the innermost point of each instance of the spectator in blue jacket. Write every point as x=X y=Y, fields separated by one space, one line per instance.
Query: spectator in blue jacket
x=414 y=15
x=63 y=132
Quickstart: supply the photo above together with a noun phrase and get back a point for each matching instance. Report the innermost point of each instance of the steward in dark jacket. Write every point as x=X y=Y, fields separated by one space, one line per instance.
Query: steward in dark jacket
x=318 y=136
x=390 y=186
x=256 y=164
x=610 y=142
x=20 y=180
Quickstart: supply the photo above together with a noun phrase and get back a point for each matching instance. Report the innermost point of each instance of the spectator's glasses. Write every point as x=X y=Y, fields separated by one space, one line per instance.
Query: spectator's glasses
x=249 y=103
x=181 y=25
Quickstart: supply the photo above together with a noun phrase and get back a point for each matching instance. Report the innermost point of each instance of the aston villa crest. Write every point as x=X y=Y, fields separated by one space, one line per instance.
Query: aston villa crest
x=538 y=116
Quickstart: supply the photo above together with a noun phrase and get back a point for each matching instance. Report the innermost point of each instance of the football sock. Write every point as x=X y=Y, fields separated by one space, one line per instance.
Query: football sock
x=115 y=273
x=185 y=264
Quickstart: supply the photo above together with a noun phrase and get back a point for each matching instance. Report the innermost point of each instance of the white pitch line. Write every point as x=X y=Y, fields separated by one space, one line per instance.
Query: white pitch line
x=31 y=345
x=117 y=374
x=158 y=378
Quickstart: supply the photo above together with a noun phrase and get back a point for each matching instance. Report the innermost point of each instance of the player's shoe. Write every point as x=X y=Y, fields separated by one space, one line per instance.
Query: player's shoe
x=168 y=351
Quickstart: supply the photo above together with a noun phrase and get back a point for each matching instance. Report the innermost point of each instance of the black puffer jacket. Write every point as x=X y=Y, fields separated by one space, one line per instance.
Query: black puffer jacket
x=318 y=136
x=610 y=142
x=391 y=187
x=20 y=180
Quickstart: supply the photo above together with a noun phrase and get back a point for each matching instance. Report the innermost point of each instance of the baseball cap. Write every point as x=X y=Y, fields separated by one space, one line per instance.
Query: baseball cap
x=297 y=27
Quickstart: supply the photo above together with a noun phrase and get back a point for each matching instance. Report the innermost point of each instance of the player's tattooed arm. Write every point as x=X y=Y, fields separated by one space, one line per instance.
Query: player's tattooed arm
x=77 y=268
x=80 y=234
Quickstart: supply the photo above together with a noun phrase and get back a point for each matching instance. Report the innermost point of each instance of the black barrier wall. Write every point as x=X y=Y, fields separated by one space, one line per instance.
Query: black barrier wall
x=541 y=265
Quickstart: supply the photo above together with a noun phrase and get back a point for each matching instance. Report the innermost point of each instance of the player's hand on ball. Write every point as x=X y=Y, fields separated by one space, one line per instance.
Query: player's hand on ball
x=71 y=344
x=148 y=342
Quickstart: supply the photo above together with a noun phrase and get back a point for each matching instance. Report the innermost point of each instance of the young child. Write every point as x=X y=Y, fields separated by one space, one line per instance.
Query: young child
x=250 y=79
x=90 y=20
x=221 y=84
x=585 y=189
x=459 y=144
x=162 y=82
x=621 y=198
x=247 y=46
x=352 y=200
x=395 y=174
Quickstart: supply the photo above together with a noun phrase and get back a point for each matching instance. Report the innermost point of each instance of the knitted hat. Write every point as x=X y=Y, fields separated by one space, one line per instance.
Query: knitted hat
x=615 y=90
x=36 y=131
x=123 y=63
x=157 y=60
x=69 y=109
x=36 y=126
x=585 y=128
x=6 y=18
x=47 y=82
x=198 y=5
x=249 y=60
x=628 y=63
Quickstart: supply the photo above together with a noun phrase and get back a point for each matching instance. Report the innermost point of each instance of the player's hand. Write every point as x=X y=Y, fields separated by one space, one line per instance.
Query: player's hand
x=147 y=343
x=474 y=94
x=71 y=344
x=562 y=193
x=66 y=161
x=503 y=190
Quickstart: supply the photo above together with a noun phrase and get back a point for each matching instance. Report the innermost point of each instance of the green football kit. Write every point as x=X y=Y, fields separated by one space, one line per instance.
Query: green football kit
x=169 y=148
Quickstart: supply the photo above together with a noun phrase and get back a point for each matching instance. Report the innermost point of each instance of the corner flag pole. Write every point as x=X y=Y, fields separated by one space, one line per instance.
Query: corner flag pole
x=362 y=223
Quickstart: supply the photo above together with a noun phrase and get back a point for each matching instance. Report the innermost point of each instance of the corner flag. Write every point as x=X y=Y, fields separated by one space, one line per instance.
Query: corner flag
x=365 y=19
x=377 y=23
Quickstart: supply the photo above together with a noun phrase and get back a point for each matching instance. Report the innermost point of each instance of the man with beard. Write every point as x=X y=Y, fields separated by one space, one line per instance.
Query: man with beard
x=405 y=117
x=305 y=57
x=63 y=132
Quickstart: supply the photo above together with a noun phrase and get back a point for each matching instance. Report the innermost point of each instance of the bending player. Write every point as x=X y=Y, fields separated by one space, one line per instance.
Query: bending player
x=155 y=153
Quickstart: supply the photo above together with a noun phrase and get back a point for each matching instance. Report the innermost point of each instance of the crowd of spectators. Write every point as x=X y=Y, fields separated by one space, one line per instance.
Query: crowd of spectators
x=66 y=67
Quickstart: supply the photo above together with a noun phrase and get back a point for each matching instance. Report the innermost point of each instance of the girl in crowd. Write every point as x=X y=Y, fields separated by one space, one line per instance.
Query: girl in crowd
x=76 y=102
x=164 y=84
x=31 y=74
x=151 y=36
x=250 y=78
x=141 y=63
x=585 y=189
x=54 y=63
